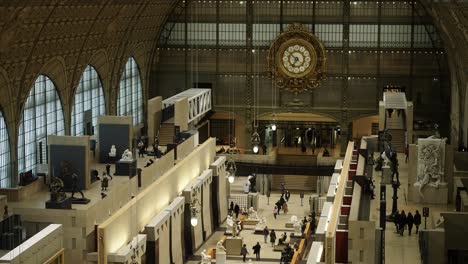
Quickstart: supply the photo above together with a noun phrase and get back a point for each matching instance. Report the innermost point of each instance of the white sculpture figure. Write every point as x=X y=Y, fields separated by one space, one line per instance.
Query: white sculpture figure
x=220 y=247
x=386 y=160
x=296 y=224
x=431 y=163
x=297 y=228
x=294 y=219
x=233 y=225
x=113 y=151
x=247 y=186
x=252 y=213
x=127 y=155
x=261 y=225
x=205 y=258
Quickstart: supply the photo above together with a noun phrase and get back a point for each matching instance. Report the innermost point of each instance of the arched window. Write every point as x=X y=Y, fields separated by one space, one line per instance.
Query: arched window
x=89 y=103
x=5 y=173
x=130 y=101
x=42 y=116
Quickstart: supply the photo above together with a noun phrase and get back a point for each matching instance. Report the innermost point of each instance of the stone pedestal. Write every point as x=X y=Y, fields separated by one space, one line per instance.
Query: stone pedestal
x=126 y=168
x=220 y=257
x=60 y=204
x=386 y=175
x=234 y=245
x=432 y=195
x=252 y=200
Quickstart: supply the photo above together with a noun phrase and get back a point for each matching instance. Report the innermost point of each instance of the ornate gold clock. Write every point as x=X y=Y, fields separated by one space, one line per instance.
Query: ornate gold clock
x=297 y=60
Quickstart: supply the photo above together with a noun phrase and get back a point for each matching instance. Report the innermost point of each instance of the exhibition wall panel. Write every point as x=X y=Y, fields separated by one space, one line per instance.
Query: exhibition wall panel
x=114 y=130
x=158 y=229
x=206 y=179
x=154 y=117
x=194 y=238
x=219 y=176
x=68 y=155
x=176 y=209
x=121 y=227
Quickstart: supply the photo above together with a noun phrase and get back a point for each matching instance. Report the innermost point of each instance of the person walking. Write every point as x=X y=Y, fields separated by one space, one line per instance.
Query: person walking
x=272 y=237
x=283 y=188
x=402 y=222
x=256 y=250
x=285 y=208
x=410 y=222
x=287 y=195
x=417 y=220
x=231 y=207
x=236 y=210
x=396 y=221
x=244 y=252
x=275 y=211
x=141 y=149
x=266 y=232
x=278 y=205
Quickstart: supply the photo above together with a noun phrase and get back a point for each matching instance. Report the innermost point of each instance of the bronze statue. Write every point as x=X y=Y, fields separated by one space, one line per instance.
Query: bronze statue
x=56 y=189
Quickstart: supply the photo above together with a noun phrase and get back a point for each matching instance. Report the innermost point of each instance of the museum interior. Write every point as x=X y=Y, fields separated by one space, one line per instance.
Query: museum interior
x=219 y=131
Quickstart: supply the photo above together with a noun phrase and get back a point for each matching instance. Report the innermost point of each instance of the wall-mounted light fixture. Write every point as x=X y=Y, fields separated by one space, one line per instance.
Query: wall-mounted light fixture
x=255 y=140
x=193 y=208
x=231 y=169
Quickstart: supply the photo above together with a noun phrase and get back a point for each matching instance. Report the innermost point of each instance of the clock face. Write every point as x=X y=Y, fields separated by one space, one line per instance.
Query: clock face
x=298 y=58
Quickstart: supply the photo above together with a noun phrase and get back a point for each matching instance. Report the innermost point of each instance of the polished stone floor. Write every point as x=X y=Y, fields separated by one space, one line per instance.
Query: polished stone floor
x=403 y=249
x=265 y=210
x=398 y=249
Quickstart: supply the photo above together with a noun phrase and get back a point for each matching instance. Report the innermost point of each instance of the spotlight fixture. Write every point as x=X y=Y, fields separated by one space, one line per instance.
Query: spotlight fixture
x=273 y=127
x=231 y=169
x=193 y=208
x=255 y=140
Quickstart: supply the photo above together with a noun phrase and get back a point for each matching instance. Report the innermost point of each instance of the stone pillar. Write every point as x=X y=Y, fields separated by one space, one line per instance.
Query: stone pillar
x=343 y=140
x=409 y=123
x=381 y=116
x=154 y=118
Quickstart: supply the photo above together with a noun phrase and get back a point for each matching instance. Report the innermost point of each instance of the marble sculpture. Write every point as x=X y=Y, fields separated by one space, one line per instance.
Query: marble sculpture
x=431 y=159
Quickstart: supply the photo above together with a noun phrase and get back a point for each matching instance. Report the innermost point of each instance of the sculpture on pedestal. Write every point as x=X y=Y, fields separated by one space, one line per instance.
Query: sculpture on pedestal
x=127 y=155
x=205 y=258
x=56 y=189
x=252 y=213
x=296 y=224
x=113 y=151
x=431 y=163
x=232 y=224
x=261 y=225
x=220 y=247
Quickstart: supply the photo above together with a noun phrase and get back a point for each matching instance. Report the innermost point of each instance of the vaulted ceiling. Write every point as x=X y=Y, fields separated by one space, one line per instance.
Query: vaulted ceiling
x=60 y=37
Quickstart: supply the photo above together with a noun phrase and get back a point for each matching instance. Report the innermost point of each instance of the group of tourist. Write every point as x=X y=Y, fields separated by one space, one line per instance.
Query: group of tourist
x=280 y=205
x=402 y=221
x=256 y=250
x=234 y=209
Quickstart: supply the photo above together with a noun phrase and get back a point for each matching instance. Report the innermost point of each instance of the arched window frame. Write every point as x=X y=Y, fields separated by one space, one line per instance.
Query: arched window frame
x=5 y=159
x=88 y=96
x=42 y=117
x=130 y=98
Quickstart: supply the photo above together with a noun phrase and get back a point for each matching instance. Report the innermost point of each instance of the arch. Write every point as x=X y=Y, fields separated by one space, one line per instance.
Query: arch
x=42 y=116
x=5 y=159
x=130 y=97
x=89 y=96
x=302 y=116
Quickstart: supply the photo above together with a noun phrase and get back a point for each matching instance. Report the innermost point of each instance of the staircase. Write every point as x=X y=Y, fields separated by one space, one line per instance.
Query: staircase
x=395 y=125
x=294 y=182
x=398 y=139
x=166 y=133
